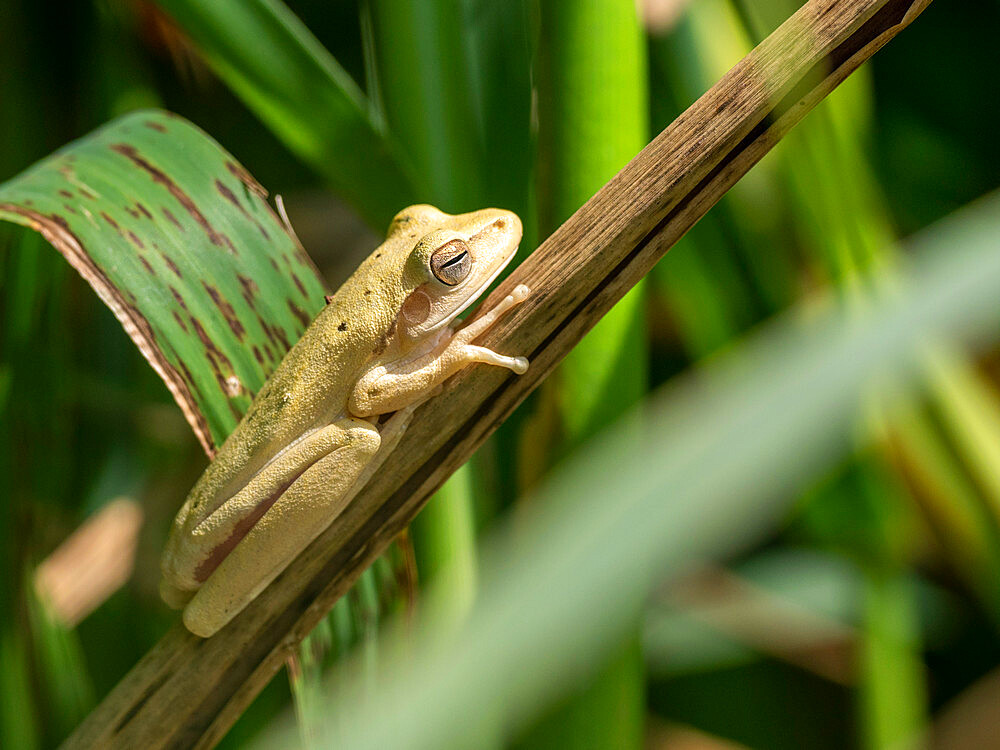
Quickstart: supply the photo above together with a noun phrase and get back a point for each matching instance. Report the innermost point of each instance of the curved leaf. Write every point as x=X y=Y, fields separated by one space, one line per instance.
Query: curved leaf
x=178 y=240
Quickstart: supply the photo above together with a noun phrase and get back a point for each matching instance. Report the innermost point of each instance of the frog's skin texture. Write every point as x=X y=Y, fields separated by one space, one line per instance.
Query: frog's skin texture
x=313 y=435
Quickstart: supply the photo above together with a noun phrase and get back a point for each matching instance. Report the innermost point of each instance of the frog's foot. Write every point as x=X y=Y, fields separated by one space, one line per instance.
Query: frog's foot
x=483 y=323
x=464 y=352
x=470 y=354
x=174 y=596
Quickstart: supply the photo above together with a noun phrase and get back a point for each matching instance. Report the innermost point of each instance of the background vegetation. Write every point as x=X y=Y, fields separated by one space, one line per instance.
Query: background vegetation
x=870 y=607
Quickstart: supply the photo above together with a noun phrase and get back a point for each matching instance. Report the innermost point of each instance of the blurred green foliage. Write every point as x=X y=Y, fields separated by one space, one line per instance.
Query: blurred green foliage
x=389 y=102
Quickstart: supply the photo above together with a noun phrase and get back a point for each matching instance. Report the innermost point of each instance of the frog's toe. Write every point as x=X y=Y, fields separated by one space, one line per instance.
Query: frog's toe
x=174 y=596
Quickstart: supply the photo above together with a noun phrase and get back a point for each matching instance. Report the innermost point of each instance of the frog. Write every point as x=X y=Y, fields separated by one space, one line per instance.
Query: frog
x=336 y=406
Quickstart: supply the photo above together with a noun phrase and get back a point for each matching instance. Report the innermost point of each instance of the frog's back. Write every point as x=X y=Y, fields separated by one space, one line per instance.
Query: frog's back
x=312 y=383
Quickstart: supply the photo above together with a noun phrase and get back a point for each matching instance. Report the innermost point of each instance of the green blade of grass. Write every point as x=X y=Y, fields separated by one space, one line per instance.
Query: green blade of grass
x=593 y=118
x=68 y=692
x=17 y=712
x=426 y=83
x=455 y=91
x=272 y=61
x=893 y=694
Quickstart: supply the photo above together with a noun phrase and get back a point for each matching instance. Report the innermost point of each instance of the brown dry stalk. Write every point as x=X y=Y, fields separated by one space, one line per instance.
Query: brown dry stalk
x=187 y=692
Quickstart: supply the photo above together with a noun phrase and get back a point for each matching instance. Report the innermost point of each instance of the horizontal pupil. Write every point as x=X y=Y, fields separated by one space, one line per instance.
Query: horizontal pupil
x=458 y=258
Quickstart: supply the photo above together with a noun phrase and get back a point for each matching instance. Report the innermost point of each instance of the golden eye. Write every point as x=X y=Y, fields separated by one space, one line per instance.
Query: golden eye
x=451 y=263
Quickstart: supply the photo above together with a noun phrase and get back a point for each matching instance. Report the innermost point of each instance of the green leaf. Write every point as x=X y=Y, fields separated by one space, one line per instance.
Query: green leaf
x=267 y=56
x=178 y=240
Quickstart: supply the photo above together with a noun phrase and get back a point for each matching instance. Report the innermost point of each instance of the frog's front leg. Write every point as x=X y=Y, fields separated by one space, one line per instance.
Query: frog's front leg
x=396 y=385
x=299 y=514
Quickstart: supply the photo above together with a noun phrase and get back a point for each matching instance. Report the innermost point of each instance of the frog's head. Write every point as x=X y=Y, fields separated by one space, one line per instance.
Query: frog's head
x=453 y=261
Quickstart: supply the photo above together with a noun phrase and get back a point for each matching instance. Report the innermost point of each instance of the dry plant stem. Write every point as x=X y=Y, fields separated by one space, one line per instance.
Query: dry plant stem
x=187 y=691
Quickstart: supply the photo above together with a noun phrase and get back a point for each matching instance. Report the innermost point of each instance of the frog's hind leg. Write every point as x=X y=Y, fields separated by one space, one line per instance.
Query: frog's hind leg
x=301 y=512
x=193 y=555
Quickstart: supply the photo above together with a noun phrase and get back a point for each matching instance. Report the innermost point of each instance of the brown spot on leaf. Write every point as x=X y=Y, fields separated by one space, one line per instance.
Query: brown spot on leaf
x=171 y=265
x=111 y=221
x=250 y=289
x=257 y=355
x=304 y=258
x=159 y=127
x=162 y=178
x=134 y=239
x=231 y=197
x=247 y=179
x=179 y=299
x=67 y=171
x=143 y=211
x=66 y=193
x=276 y=335
x=69 y=208
x=220 y=363
x=61 y=221
x=180 y=321
x=145 y=264
x=266 y=328
x=299 y=285
x=299 y=313
x=172 y=219
x=282 y=337
x=235 y=324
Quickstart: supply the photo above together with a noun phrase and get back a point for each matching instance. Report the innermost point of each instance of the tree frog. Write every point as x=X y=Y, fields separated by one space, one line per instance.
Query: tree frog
x=318 y=429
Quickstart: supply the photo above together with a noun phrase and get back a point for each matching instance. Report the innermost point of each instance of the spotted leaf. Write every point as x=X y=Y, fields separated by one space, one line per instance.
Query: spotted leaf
x=180 y=242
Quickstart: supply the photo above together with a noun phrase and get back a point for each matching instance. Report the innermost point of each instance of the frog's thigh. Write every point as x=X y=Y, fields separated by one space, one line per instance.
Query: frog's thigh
x=304 y=510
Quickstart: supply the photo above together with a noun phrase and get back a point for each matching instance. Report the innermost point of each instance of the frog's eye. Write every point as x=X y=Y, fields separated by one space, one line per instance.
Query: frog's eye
x=451 y=263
